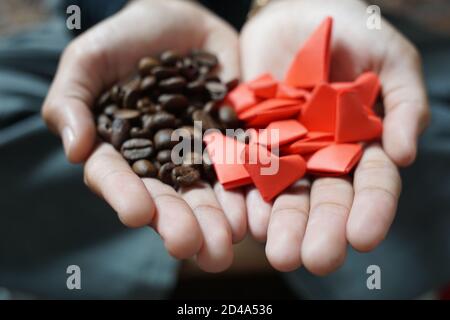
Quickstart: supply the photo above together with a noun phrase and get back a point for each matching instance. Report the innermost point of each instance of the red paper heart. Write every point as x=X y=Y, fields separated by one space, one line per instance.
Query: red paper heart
x=271 y=179
x=265 y=86
x=367 y=85
x=336 y=159
x=312 y=142
x=288 y=92
x=279 y=133
x=225 y=154
x=267 y=105
x=353 y=123
x=319 y=113
x=263 y=118
x=312 y=63
x=241 y=98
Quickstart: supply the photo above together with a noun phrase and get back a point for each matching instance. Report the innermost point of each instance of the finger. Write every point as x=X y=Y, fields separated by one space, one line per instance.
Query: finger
x=233 y=205
x=406 y=104
x=258 y=212
x=287 y=227
x=174 y=221
x=324 y=245
x=377 y=189
x=216 y=254
x=110 y=176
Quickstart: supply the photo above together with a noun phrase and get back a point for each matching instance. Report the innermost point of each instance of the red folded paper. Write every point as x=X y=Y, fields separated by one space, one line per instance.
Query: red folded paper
x=264 y=86
x=242 y=98
x=279 y=133
x=226 y=156
x=262 y=119
x=366 y=85
x=312 y=142
x=353 y=122
x=286 y=91
x=272 y=174
x=311 y=65
x=336 y=159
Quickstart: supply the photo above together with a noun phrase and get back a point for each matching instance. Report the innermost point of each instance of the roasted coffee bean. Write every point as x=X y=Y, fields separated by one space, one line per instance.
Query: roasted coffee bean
x=188 y=70
x=205 y=58
x=104 y=100
x=228 y=117
x=148 y=83
x=185 y=176
x=170 y=58
x=127 y=114
x=217 y=90
x=162 y=73
x=145 y=169
x=207 y=121
x=174 y=103
x=137 y=132
x=164 y=156
x=160 y=120
x=174 y=84
x=104 y=130
x=103 y=118
x=137 y=149
x=146 y=65
x=145 y=104
x=211 y=107
x=117 y=94
x=197 y=86
x=208 y=169
x=110 y=110
x=132 y=94
x=232 y=84
x=120 y=132
x=157 y=165
x=163 y=139
x=165 y=173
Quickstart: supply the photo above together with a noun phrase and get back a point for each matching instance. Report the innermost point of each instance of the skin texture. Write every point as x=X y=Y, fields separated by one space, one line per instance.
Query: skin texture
x=312 y=222
x=312 y=226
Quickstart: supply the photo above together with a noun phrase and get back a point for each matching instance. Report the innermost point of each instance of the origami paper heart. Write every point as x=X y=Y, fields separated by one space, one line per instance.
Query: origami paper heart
x=264 y=86
x=319 y=113
x=312 y=63
x=271 y=179
x=311 y=143
x=267 y=105
x=353 y=123
x=279 y=133
x=288 y=92
x=262 y=119
x=336 y=159
x=367 y=85
x=225 y=154
x=242 y=98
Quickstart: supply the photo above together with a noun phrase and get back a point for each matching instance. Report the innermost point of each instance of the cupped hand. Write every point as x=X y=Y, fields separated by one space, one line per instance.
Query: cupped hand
x=312 y=223
x=202 y=221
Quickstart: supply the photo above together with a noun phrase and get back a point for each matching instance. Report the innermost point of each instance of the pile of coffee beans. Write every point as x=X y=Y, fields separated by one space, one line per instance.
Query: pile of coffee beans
x=170 y=92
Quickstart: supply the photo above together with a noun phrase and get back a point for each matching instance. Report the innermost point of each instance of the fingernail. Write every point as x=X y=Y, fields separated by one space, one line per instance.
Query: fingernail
x=68 y=137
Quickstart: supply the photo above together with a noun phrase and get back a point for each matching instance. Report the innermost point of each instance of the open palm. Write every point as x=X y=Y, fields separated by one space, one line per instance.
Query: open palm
x=312 y=222
x=194 y=221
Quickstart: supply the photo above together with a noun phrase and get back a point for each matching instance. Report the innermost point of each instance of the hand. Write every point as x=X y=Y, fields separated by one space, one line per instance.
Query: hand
x=191 y=222
x=313 y=227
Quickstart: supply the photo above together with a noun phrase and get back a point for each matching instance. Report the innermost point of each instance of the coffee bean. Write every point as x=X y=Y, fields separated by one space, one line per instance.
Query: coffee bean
x=170 y=58
x=103 y=118
x=211 y=107
x=232 y=84
x=104 y=130
x=145 y=169
x=120 y=132
x=174 y=103
x=209 y=172
x=164 y=156
x=207 y=121
x=162 y=73
x=148 y=83
x=188 y=70
x=163 y=139
x=217 y=90
x=228 y=117
x=165 y=173
x=137 y=132
x=197 y=86
x=110 y=110
x=174 y=84
x=160 y=120
x=185 y=176
x=127 y=114
x=205 y=58
x=137 y=149
x=146 y=65
x=117 y=94
x=104 y=100
x=132 y=94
